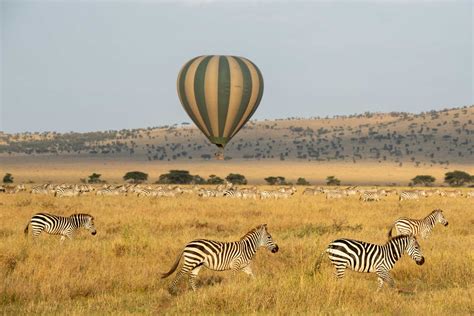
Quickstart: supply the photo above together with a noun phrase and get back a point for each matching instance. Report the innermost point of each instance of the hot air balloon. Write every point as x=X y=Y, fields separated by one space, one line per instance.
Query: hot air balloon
x=220 y=94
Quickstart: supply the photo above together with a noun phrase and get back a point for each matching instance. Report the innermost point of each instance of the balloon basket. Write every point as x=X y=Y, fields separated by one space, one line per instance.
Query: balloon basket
x=219 y=155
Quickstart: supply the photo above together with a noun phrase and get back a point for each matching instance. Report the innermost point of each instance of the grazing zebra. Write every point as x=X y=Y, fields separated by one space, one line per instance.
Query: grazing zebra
x=369 y=196
x=62 y=192
x=311 y=191
x=232 y=193
x=414 y=227
x=379 y=259
x=409 y=195
x=59 y=225
x=334 y=195
x=221 y=256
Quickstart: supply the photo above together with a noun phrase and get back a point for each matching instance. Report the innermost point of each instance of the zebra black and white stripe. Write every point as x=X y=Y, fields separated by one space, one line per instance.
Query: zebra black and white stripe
x=415 y=227
x=409 y=195
x=369 y=196
x=220 y=256
x=59 y=225
x=361 y=256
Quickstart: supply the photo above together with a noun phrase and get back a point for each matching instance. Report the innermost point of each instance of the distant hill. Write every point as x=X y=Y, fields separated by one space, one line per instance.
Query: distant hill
x=436 y=137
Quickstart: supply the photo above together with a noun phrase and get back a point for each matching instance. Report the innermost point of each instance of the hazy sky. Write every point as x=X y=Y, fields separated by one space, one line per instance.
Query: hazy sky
x=90 y=65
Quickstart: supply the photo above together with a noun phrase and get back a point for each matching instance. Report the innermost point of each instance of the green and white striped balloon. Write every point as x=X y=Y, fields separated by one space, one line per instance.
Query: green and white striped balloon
x=220 y=94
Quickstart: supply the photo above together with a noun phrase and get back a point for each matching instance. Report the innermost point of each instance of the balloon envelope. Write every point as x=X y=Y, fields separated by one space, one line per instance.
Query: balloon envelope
x=220 y=94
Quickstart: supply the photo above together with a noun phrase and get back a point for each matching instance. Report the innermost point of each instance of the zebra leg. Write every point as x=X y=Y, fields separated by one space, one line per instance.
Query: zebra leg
x=172 y=288
x=248 y=270
x=340 y=269
x=384 y=276
x=192 y=277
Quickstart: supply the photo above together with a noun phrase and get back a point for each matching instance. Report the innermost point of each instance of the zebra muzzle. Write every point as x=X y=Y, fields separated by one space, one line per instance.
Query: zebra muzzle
x=93 y=233
x=274 y=250
x=446 y=224
x=421 y=261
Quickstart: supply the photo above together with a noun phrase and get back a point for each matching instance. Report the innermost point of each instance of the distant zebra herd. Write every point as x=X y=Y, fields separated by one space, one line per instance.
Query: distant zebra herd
x=343 y=253
x=228 y=190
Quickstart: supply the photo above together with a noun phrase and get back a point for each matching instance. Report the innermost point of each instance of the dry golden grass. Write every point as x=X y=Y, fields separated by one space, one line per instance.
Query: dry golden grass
x=118 y=270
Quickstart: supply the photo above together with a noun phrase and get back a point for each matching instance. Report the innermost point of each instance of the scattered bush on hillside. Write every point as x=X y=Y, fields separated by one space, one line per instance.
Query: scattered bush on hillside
x=332 y=180
x=424 y=180
x=135 y=176
x=236 y=178
x=457 y=178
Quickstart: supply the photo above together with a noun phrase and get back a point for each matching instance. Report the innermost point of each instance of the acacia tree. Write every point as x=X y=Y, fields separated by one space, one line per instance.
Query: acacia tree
x=457 y=178
x=8 y=178
x=135 y=176
x=236 y=178
x=425 y=180
x=332 y=180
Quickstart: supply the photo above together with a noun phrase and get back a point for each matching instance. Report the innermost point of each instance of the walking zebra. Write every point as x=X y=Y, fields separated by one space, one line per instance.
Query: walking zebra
x=409 y=195
x=220 y=256
x=59 y=225
x=369 y=196
x=379 y=259
x=414 y=227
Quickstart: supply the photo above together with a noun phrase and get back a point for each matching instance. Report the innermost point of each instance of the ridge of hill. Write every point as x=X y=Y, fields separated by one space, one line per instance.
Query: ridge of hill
x=435 y=137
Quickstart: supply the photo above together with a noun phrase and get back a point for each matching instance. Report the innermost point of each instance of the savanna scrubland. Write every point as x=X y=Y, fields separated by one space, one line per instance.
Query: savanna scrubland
x=118 y=270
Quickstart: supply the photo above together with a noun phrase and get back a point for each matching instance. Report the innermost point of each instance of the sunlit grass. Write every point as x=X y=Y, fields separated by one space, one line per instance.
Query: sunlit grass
x=118 y=270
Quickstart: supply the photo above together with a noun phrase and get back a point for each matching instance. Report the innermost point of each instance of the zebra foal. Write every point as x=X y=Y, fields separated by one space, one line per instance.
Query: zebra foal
x=220 y=256
x=59 y=225
x=361 y=256
x=415 y=227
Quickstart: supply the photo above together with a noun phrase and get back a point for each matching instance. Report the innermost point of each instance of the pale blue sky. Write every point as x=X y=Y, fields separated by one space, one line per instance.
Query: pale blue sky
x=85 y=66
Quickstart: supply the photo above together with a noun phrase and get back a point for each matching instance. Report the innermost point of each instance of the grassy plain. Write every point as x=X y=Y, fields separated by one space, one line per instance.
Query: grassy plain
x=70 y=169
x=117 y=271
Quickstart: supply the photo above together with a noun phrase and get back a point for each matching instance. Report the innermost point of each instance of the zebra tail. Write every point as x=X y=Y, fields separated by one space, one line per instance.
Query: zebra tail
x=318 y=262
x=26 y=229
x=173 y=268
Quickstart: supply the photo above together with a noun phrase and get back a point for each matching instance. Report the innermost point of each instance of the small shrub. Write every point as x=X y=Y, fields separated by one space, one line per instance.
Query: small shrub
x=332 y=180
x=135 y=176
x=236 y=178
x=302 y=181
x=8 y=178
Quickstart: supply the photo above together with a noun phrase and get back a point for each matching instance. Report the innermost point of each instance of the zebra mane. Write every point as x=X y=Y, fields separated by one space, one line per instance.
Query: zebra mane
x=436 y=211
x=398 y=237
x=250 y=232
x=81 y=214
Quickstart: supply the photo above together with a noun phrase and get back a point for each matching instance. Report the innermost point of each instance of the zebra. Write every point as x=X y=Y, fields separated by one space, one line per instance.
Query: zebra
x=62 y=192
x=59 y=225
x=361 y=256
x=334 y=195
x=232 y=193
x=423 y=227
x=220 y=256
x=369 y=196
x=409 y=195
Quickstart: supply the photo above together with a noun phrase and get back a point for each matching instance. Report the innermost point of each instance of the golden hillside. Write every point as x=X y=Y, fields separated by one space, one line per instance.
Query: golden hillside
x=436 y=137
